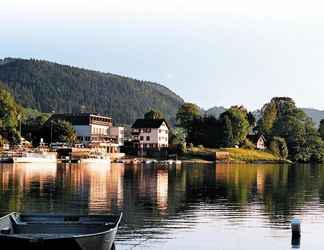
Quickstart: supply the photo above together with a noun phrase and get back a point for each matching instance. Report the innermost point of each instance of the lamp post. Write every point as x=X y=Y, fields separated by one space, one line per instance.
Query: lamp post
x=19 y=119
x=51 y=131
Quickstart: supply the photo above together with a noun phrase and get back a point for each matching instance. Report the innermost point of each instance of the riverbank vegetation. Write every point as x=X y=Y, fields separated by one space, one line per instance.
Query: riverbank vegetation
x=289 y=132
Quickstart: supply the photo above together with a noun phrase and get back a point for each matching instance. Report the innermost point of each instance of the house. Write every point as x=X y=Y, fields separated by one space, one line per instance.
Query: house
x=150 y=134
x=258 y=140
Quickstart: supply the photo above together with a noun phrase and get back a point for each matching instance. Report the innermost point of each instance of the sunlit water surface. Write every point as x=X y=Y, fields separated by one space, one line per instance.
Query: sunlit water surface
x=185 y=207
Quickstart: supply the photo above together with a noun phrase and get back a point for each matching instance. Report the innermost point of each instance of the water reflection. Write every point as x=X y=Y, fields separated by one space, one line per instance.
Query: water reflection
x=162 y=205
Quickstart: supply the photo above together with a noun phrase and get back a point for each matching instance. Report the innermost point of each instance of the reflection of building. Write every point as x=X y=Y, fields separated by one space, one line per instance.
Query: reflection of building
x=162 y=189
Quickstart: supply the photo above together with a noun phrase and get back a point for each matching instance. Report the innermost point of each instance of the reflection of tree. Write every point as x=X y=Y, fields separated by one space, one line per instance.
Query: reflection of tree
x=152 y=197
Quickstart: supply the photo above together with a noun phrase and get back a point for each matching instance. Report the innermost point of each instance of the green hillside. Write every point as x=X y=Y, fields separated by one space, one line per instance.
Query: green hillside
x=48 y=87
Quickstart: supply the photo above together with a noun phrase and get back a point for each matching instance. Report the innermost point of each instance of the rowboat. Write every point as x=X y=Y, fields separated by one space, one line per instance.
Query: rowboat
x=55 y=232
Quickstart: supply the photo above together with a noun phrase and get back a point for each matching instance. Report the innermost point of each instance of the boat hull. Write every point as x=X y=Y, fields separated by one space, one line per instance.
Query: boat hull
x=33 y=160
x=55 y=235
x=99 y=242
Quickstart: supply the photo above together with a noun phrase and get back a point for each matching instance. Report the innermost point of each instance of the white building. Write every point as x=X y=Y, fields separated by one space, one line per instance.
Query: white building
x=150 y=134
x=90 y=128
x=119 y=132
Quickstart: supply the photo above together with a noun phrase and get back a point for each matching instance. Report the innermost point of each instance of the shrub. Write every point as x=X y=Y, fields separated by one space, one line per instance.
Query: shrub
x=278 y=146
x=247 y=144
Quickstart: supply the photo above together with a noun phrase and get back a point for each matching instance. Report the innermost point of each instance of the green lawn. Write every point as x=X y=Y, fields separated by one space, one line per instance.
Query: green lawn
x=236 y=154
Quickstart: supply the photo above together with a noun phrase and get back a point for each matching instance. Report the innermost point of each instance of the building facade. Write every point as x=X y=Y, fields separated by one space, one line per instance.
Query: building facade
x=89 y=128
x=118 y=132
x=150 y=134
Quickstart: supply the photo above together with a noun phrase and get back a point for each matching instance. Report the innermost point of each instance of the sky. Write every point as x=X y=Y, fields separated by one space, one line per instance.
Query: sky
x=210 y=52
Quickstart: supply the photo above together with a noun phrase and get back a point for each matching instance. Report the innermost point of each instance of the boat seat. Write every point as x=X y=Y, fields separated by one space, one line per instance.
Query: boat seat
x=5 y=230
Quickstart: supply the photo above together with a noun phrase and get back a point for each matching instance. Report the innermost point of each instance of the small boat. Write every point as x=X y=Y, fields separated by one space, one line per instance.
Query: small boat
x=53 y=232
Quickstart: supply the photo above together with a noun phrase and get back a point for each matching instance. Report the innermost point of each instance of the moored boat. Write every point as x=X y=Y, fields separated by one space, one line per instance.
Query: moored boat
x=29 y=157
x=35 y=157
x=49 y=232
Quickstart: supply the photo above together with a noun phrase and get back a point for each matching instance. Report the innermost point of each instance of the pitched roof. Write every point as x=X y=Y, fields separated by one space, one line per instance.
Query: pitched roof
x=152 y=123
x=255 y=137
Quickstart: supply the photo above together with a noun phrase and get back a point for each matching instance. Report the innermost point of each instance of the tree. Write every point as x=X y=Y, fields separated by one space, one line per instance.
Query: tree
x=251 y=119
x=153 y=115
x=321 y=129
x=281 y=118
x=33 y=129
x=186 y=114
x=9 y=112
x=279 y=147
x=59 y=131
x=228 y=140
x=177 y=136
x=239 y=123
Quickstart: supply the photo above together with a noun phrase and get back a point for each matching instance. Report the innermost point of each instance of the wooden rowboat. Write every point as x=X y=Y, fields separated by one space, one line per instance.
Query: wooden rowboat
x=58 y=232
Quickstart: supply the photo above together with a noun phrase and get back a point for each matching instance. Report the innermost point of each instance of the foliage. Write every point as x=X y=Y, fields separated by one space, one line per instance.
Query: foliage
x=238 y=117
x=247 y=144
x=177 y=136
x=281 y=118
x=10 y=113
x=186 y=114
x=39 y=127
x=279 y=147
x=33 y=129
x=59 y=131
x=251 y=119
x=153 y=114
x=48 y=87
x=228 y=140
x=321 y=129
x=205 y=131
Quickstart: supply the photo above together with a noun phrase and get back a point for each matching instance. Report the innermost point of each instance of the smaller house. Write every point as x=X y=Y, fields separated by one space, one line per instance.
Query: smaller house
x=150 y=134
x=258 y=140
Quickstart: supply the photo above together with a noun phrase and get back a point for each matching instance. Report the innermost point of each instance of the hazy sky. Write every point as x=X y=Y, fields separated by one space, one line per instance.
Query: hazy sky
x=209 y=52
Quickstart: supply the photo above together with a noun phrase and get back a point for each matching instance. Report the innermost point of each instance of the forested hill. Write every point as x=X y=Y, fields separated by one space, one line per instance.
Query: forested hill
x=48 y=87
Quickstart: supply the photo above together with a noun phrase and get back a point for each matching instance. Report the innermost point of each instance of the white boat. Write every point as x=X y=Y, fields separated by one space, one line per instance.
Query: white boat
x=97 y=158
x=35 y=157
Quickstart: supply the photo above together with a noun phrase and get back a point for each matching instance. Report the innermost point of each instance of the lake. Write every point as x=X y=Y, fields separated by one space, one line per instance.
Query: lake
x=193 y=206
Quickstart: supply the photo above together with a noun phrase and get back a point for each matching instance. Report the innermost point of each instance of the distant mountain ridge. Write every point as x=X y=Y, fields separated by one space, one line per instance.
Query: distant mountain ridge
x=48 y=86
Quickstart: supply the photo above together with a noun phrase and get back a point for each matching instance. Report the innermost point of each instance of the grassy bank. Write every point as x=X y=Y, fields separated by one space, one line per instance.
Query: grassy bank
x=233 y=155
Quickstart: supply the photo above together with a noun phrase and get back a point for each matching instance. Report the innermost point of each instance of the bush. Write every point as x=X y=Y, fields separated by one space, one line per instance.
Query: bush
x=278 y=146
x=247 y=144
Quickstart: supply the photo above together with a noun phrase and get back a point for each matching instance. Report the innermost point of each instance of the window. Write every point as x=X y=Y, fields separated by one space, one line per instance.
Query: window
x=147 y=138
x=160 y=130
x=142 y=138
x=166 y=131
x=87 y=138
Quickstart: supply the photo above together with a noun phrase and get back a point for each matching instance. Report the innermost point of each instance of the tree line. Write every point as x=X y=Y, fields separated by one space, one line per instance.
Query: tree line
x=17 y=122
x=289 y=132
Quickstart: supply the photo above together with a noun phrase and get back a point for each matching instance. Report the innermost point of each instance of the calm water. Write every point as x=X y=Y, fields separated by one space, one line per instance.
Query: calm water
x=187 y=207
